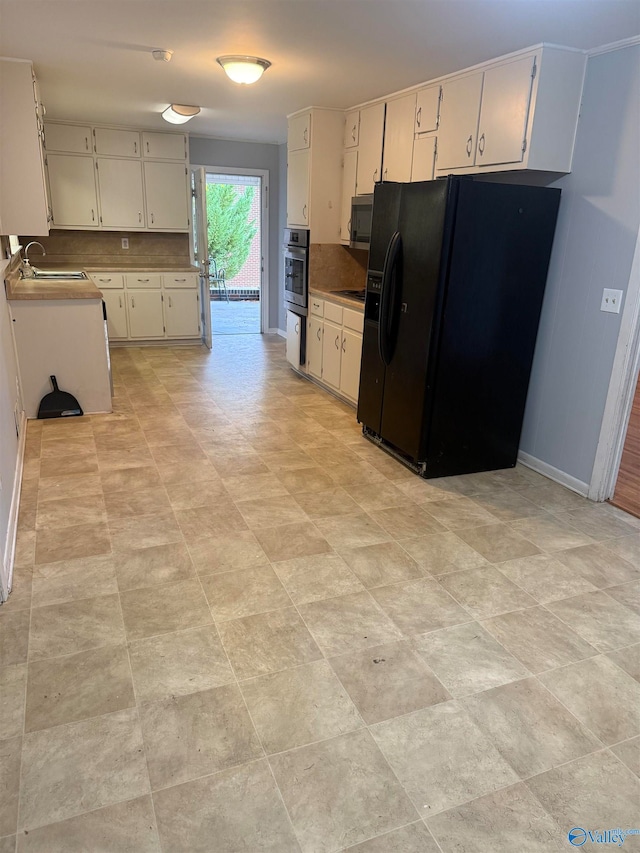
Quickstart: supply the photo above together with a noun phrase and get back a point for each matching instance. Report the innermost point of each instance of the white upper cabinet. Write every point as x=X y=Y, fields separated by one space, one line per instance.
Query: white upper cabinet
x=424 y=158
x=298 y=188
x=349 y=171
x=427 y=109
x=299 y=134
x=506 y=95
x=24 y=205
x=166 y=196
x=72 y=186
x=121 y=195
x=164 y=146
x=398 y=138
x=70 y=138
x=352 y=129
x=370 y=148
x=314 y=173
x=459 y=113
x=116 y=143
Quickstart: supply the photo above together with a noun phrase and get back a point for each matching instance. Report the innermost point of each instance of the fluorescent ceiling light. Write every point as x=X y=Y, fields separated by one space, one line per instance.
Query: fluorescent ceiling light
x=179 y=113
x=243 y=69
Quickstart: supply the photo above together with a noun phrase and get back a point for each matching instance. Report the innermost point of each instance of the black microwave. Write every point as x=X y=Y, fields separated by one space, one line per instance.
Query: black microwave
x=360 y=223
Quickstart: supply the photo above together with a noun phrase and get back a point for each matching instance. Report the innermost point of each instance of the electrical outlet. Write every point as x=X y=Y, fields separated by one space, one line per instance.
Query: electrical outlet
x=125 y=242
x=611 y=301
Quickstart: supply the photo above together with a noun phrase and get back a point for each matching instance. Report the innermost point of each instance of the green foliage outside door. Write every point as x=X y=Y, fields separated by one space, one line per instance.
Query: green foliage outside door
x=230 y=231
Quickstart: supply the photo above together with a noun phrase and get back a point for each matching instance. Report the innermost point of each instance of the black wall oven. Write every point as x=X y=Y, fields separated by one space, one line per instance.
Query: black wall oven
x=296 y=269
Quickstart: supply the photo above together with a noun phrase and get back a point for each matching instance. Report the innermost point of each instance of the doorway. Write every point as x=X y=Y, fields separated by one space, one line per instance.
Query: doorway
x=230 y=243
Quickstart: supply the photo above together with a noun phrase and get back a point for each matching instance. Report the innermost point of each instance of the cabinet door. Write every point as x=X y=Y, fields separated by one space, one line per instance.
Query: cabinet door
x=424 y=158
x=72 y=186
x=350 y=364
x=182 y=313
x=351 y=129
x=72 y=138
x=298 y=188
x=294 y=326
x=398 y=139
x=331 y=353
x=314 y=347
x=299 y=135
x=116 y=143
x=166 y=196
x=428 y=109
x=370 y=148
x=506 y=95
x=459 y=115
x=121 y=198
x=116 y=302
x=165 y=146
x=144 y=308
x=348 y=191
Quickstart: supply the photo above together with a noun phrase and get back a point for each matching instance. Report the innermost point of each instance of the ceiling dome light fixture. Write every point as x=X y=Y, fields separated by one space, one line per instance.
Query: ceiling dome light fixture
x=179 y=113
x=243 y=69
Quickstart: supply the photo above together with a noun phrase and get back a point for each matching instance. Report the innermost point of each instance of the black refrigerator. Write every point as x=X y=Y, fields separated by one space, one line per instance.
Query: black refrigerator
x=456 y=277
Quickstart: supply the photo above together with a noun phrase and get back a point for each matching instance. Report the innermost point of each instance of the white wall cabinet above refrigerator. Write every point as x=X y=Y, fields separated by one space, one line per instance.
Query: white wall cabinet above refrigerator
x=118 y=178
x=24 y=203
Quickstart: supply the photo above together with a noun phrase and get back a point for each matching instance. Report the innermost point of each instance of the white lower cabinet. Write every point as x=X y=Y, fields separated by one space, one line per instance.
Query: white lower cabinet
x=294 y=338
x=331 y=350
x=116 y=302
x=350 y=364
x=146 y=319
x=334 y=347
x=150 y=305
x=182 y=313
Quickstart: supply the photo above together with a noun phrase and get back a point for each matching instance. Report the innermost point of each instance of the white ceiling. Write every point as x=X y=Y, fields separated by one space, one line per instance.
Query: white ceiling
x=93 y=57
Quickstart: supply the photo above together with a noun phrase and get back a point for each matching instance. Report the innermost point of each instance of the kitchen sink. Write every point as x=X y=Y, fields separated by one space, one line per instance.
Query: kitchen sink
x=59 y=275
x=352 y=294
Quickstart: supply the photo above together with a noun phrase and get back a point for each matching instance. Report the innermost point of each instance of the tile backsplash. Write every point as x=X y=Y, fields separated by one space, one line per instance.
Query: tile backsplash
x=336 y=267
x=99 y=248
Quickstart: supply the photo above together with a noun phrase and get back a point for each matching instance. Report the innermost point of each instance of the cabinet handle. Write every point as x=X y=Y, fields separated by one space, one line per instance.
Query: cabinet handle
x=152 y=218
x=374 y=176
x=104 y=280
x=133 y=304
x=120 y=301
x=481 y=143
x=135 y=147
x=337 y=341
x=318 y=333
x=86 y=143
x=353 y=133
x=93 y=215
x=384 y=175
x=304 y=212
x=139 y=216
x=170 y=305
x=147 y=147
x=469 y=144
x=305 y=135
x=143 y=279
x=419 y=117
x=297 y=328
x=179 y=279
x=344 y=340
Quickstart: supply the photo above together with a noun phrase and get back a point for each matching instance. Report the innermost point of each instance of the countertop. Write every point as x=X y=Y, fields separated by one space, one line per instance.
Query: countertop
x=347 y=301
x=28 y=288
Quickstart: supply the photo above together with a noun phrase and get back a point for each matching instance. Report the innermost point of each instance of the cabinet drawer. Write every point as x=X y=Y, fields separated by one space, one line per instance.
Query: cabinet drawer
x=333 y=312
x=353 y=319
x=316 y=306
x=180 y=280
x=147 y=279
x=108 y=280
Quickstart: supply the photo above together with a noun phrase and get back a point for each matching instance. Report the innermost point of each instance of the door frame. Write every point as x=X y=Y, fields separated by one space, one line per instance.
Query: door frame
x=624 y=377
x=199 y=212
x=264 y=230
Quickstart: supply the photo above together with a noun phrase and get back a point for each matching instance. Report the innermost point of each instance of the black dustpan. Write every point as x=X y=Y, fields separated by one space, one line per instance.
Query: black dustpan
x=58 y=404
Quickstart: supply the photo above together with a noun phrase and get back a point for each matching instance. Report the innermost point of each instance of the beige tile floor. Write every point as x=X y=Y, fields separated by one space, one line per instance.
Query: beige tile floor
x=238 y=626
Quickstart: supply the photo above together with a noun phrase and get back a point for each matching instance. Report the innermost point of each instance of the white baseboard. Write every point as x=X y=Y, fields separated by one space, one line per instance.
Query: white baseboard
x=554 y=474
x=9 y=552
x=280 y=332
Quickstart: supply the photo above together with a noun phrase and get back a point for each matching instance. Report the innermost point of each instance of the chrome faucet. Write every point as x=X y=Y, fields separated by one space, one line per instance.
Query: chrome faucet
x=26 y=269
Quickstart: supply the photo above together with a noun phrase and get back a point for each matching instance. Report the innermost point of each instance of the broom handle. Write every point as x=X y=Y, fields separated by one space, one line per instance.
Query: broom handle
x=54 y=382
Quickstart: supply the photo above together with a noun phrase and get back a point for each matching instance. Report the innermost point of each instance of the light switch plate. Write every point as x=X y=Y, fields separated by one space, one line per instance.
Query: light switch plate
x=125 y=242
x=611 y=300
